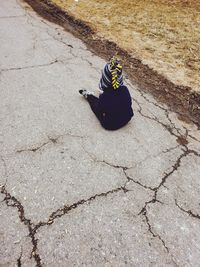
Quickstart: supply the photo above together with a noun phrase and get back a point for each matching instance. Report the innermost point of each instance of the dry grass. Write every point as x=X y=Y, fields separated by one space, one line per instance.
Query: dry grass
x=165 y=34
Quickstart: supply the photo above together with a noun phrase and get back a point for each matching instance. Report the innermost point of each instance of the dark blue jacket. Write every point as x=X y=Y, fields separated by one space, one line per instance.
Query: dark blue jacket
x=115 y=106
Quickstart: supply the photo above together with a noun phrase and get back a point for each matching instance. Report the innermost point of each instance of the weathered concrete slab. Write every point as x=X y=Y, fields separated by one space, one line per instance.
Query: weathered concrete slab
x=150 y=171
x=183 y=186
x=72 y=193
x=107 y=232
x=179 y=231
x=10 y=9
x=56 y=174
x=15 y=246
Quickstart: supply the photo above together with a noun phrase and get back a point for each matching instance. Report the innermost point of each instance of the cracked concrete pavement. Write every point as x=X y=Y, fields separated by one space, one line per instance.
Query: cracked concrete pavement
x=73 y=194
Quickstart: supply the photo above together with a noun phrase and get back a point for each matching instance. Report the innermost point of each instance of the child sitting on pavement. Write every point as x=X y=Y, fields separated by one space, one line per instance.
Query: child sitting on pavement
x=113 y=107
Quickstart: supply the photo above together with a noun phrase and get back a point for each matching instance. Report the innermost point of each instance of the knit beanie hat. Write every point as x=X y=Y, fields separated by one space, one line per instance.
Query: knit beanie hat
x=111 y=75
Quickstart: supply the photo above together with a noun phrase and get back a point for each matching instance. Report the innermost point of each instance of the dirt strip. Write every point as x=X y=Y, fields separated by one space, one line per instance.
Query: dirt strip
x=183 y=100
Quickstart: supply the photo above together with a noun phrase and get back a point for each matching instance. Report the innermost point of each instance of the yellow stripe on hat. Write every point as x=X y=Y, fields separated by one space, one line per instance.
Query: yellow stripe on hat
x=117 y=68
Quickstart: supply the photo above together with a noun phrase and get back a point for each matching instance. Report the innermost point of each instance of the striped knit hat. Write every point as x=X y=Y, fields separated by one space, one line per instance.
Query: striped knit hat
x=112 y=75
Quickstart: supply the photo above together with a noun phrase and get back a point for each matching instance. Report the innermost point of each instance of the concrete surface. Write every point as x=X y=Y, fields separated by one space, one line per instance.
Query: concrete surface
x=73 y=194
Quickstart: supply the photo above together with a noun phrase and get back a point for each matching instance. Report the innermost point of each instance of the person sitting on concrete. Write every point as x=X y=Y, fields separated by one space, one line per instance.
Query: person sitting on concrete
x=113 y=108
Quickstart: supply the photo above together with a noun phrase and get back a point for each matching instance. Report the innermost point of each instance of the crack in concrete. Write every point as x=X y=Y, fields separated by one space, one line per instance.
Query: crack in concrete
x=174 y=168
x=145 y=97
x=164 y=179
x=151 y=102
x=53 y=140
x=191 y=151
x=167 y=114
x=31 y=67
x=60 y=40
x=31 y=17
x=35 y=149
x=125 y=174
x=189 y=212
x=181 y=139
x=137 y=182
x=156 y=189
x=11 y=201
x=19 y=263
x=169 y=149
x=72 y=53
x=91 y=65
x=125 y=168
x=112 y=165
x=66 y=209
x=167 y=127
x=166 y=110
x=124 y=171
x=153 y=234
x=194 y=138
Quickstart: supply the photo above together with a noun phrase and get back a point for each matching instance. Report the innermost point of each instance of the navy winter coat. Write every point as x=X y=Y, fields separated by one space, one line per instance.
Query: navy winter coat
x=115 y=107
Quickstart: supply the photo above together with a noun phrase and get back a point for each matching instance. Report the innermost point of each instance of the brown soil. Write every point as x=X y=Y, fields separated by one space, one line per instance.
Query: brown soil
x=181 y=99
